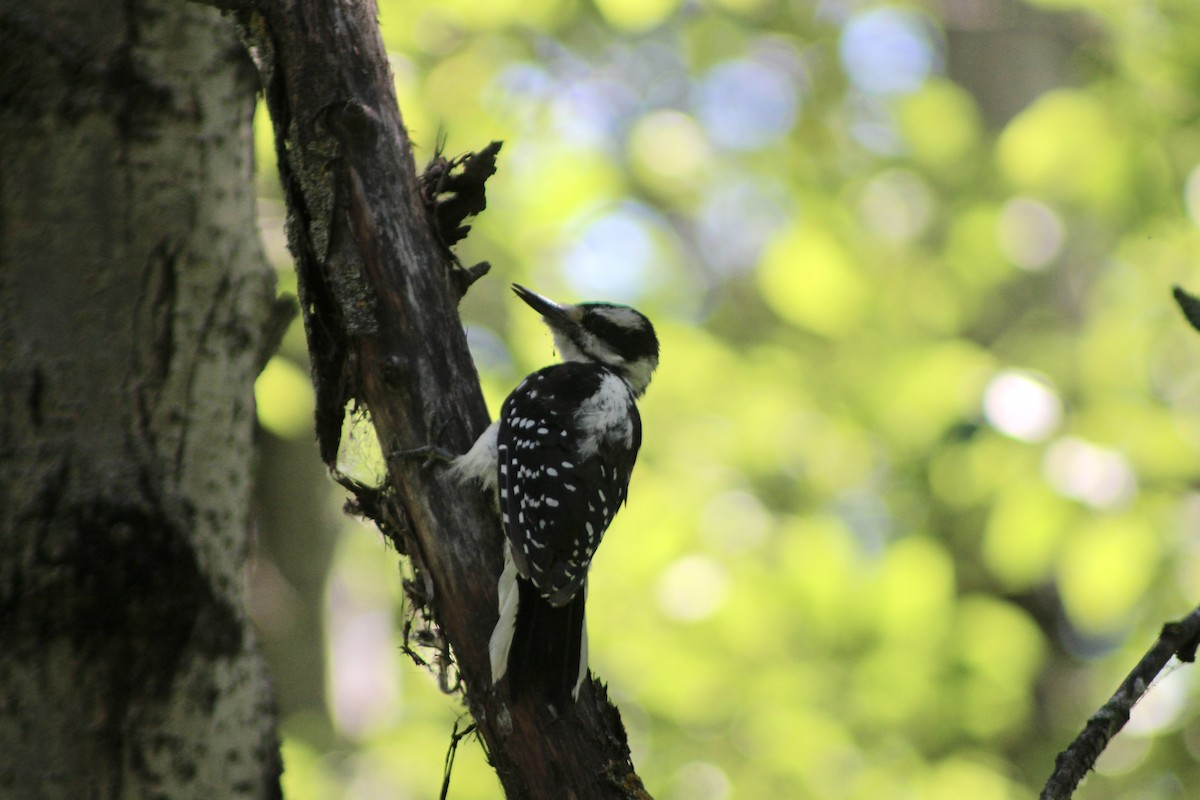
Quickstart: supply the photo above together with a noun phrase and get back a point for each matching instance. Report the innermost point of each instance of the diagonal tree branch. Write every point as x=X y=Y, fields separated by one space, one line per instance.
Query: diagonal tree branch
x=379 y=293
x=1176 y=639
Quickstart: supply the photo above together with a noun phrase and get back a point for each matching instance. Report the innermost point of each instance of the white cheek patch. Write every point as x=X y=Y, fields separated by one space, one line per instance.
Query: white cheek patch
x=601 y=351
x=638 y=374
x=566 y=347
x=591 y=349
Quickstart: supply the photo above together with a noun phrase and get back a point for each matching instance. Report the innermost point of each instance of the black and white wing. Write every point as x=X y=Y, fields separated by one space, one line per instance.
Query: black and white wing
x=568 y=439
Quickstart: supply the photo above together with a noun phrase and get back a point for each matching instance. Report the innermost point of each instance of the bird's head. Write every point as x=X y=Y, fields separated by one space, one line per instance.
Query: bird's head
x=616 y=336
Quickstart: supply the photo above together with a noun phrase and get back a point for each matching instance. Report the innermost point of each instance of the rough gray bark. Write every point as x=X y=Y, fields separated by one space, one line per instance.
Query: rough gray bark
x=379 y=298
x=133 y=300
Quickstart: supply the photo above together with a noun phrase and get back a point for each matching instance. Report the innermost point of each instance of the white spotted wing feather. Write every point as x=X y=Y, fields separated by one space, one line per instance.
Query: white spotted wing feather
x=563 y=470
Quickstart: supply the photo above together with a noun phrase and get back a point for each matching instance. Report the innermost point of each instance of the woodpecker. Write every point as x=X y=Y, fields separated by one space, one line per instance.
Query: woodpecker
x=559 y=460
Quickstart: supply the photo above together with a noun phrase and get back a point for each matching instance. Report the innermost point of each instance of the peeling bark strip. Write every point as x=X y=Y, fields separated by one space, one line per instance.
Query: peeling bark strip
x=379 y=294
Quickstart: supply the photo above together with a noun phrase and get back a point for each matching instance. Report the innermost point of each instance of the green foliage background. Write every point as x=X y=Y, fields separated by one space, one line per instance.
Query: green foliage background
x=917 y=481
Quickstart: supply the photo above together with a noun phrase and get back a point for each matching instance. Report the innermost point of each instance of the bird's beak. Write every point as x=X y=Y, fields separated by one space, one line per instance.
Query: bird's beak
x=555 y=315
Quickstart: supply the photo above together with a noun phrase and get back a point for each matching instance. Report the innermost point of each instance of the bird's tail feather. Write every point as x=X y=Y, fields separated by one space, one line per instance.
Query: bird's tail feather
x=540 y=647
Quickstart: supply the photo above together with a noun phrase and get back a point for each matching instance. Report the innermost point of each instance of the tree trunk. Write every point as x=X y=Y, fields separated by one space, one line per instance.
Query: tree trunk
x=133 y=305
x=378 y=290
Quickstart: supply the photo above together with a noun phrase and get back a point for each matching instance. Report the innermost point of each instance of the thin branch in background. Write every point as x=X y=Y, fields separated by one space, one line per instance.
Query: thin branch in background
x=1189 y=304
x=1177 y=639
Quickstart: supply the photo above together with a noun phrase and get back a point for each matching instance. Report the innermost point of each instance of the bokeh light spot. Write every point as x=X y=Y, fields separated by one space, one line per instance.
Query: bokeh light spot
x=738 y=216
x=284 y=398
x=961 y=777
x=636 y=15
x=692 y=588
x=735 y=521
x=1097 y=476
x=1024 y=533
x=873 y=124
x=668 y=144
x=610 y=257
x=1191 y=195
x=897 y=205
x=810 y=280
x=1065 y=146
x=700 y=780
x=591 y=112
x=1161 y=707
x=888 y=50
x=1022 y=405
x=745 y=104
x=1030 y=234
x=1104 y=571
x=956 y=136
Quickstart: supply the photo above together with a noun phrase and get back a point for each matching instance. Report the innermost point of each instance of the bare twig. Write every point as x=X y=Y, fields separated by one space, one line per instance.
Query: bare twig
x=1177 y=639
x=1189 y=304
x=456 y=736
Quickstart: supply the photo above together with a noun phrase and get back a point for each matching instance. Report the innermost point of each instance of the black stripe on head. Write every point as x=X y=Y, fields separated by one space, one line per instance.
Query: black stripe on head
x=624 y=329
